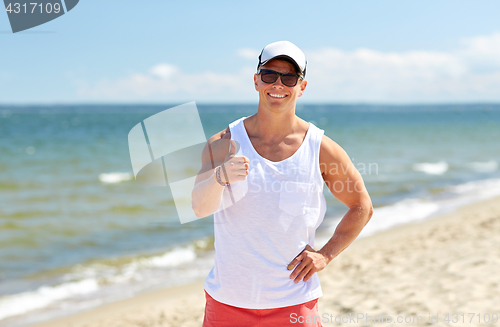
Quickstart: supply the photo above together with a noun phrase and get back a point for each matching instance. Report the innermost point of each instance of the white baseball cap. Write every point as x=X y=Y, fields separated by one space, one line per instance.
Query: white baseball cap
x=283 y=50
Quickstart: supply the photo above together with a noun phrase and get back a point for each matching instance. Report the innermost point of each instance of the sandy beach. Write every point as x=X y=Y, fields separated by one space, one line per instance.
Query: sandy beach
x=412 y=273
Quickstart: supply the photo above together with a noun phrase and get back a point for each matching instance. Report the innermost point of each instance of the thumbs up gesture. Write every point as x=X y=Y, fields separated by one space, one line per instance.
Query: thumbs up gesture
x=234 y=168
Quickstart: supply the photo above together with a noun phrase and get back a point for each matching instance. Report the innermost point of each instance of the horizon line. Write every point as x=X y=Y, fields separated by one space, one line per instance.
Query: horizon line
x=176 y=103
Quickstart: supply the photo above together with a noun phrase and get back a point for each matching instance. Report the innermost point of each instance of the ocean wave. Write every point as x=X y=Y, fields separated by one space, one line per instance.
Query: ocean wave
x=112 y=178
x=414 y=209
x=20 y=303
x=432 y=168
x=484 y=167
x=86 y=279
x=402 y=212
x=481 y=189
x=122 y=271
x=385 y=217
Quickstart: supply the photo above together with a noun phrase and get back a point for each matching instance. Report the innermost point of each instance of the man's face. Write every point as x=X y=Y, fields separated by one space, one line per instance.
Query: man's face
x=277 y=94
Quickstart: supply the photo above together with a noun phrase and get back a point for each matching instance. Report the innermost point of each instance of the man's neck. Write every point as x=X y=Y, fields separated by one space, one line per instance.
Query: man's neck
x=268 y=124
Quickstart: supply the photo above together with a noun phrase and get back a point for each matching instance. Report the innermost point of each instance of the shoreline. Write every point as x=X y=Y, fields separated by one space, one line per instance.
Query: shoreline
x=440 y=265
x=156 y=300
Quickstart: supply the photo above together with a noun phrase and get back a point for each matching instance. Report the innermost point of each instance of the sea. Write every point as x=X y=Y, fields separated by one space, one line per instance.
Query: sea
x=77 y=230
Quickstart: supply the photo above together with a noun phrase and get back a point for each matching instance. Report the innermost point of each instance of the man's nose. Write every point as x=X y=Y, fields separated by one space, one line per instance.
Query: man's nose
x=278 y=82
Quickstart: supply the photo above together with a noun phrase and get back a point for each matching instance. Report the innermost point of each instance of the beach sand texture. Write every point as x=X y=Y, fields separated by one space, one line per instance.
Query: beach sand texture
x=444 y=265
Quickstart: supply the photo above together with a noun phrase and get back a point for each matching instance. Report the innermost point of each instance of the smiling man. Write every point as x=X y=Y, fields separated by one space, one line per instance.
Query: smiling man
x=265 y=262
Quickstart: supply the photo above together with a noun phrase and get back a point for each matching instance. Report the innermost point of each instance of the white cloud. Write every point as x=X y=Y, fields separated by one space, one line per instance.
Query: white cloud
x=166 y=82
x=469 y=73
x=483 y=45
x=164 y=71
x=250 y=54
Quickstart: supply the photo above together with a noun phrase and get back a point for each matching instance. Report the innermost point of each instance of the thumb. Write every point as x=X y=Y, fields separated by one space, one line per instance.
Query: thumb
x=232 y=148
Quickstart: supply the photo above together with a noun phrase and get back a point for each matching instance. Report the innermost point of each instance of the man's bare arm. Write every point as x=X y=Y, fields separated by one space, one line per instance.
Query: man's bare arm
x=347 y=185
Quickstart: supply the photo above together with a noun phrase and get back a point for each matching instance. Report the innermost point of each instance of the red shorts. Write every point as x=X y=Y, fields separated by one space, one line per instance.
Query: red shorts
x=218 y=314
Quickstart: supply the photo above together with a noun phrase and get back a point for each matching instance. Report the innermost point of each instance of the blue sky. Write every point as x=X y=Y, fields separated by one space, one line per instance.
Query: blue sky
x=168 y=52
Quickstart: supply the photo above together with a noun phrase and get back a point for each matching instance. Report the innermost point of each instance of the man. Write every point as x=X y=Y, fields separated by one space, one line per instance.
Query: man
x=265 y=264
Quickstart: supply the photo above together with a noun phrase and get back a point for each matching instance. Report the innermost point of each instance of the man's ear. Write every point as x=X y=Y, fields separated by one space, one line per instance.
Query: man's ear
x=255 y=81
x=302 y=87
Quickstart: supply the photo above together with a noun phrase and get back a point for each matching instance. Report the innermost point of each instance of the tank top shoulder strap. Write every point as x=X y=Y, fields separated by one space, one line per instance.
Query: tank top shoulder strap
x=316 y=137
x=315 y=145
x=237 y=130
x=236 y=122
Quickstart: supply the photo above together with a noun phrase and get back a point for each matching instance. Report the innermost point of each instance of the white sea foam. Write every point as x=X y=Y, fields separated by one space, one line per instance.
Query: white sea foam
x=484 y=167
x=132 y=270
x=410 y=210
x=477 y=190
x=111 y=178
x=20 y=303
x=401 y=212
x=87 y=279
x=432 y=168
x=404 y=211
x=383 y=218
x=170 y=259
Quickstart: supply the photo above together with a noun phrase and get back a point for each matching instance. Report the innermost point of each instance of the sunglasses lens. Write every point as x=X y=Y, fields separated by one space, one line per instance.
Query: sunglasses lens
x=289 y=79
x=268 y=76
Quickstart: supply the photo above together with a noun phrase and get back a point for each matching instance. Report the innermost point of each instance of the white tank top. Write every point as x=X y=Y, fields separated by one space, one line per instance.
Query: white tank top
x=265 y=223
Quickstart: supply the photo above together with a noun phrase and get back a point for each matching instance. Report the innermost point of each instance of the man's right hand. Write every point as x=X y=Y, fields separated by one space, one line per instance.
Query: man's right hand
x=235 y=168
x=207 y=193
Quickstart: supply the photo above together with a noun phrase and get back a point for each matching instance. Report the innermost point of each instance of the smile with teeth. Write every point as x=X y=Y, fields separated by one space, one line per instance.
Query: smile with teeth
x=280 y=96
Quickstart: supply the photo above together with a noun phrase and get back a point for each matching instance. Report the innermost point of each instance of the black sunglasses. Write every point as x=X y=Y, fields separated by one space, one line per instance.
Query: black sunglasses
x=270 y=76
